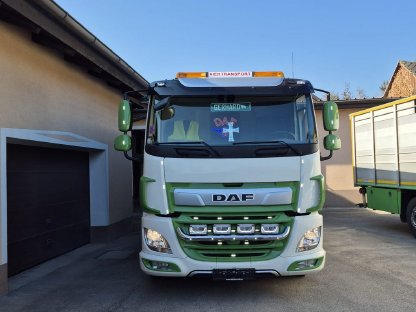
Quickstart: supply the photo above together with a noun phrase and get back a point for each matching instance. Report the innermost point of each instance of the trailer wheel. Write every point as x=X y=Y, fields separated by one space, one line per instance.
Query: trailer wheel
x=411 y=215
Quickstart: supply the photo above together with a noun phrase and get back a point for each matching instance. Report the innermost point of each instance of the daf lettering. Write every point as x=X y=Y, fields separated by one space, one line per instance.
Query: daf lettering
x=232 y=197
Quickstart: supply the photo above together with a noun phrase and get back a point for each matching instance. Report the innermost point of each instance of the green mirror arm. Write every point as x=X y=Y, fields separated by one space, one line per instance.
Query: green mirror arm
x=139 y=158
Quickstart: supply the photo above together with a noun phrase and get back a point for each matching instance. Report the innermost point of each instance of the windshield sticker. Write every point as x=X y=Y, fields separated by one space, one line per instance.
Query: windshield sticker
x=224 y=127
x=230 y=131
x=221 y=122
x=230 y=107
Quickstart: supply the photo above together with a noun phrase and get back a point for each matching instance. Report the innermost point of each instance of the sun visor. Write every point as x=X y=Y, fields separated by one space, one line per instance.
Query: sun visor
x=230 y=82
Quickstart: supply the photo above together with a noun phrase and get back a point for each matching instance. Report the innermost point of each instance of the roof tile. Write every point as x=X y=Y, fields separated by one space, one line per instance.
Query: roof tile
x=410 y=66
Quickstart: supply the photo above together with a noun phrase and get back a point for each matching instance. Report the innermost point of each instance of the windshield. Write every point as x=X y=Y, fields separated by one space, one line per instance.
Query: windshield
x=224 y=121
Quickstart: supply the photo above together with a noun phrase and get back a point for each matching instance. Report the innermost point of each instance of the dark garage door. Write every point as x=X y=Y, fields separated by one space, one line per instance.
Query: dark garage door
x=47 y=204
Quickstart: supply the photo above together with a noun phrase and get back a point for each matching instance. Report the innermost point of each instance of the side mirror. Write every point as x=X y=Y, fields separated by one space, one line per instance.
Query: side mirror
x=124 y=116
x=331 y=116
x=167 y=113
x=122 y=143
x=332 y=142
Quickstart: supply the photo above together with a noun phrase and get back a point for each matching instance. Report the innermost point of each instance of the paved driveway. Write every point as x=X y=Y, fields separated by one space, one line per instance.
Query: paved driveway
x=371 y=266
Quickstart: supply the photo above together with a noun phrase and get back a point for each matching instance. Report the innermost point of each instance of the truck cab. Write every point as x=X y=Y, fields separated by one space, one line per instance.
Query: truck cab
x=232 y=184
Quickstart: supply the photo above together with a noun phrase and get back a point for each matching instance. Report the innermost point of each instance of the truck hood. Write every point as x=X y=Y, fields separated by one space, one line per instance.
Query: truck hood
x=191 y=170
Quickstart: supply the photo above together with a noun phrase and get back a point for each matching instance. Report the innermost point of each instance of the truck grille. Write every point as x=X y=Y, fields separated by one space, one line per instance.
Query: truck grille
x=232 y=251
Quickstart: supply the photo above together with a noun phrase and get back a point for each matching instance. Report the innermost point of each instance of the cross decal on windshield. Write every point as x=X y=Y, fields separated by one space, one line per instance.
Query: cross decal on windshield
x=230 y=130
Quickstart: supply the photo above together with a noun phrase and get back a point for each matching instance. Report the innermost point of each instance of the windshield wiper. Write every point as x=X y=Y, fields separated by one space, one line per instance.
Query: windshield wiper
x=213 y=150
x=285 y=144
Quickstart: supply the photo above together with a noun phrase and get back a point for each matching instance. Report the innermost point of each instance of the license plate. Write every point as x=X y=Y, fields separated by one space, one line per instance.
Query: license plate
x=233 y=274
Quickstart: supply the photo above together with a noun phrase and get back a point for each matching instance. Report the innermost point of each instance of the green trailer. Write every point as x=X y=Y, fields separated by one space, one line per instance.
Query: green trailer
x=384 y=157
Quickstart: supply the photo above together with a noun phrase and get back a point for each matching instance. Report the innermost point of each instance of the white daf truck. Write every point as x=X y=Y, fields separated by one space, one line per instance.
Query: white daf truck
x=232 y=184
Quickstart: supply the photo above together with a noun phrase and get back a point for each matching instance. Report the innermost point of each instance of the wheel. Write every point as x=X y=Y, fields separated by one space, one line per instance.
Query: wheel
x=411 y=215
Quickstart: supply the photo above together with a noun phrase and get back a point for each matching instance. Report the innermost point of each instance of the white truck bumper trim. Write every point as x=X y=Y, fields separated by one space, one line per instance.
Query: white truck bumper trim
x=190 y=267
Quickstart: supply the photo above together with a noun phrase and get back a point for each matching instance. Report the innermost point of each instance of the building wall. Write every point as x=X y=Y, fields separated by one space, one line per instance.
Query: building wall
x=403 y=84
x=338 y=170
x=39 y=90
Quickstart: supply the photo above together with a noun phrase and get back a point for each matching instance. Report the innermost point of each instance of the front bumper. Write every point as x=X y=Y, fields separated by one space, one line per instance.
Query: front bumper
x=278 y=266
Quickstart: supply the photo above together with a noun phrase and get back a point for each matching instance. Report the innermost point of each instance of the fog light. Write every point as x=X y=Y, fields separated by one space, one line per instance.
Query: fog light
x=306 y=264
x=198 y=229
x=310 y=240
x=221 y=229
x=156 y=242
x=160 y=266
x=245 y=228
x=270 y=228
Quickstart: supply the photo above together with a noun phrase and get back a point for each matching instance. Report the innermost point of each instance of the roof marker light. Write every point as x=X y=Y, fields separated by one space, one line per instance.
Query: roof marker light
x=266 y=74
x=191 y=75
x=237 y=74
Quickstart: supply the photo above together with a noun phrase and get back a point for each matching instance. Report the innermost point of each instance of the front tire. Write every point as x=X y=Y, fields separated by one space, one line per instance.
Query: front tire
x=411 y=215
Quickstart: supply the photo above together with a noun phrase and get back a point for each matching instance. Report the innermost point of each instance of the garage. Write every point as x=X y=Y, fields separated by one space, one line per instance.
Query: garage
x=60 y=86
x=48 y=203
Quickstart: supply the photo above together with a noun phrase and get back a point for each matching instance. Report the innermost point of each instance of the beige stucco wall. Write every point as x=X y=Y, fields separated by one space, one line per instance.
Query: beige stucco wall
x=338 y=170
x=39 y=90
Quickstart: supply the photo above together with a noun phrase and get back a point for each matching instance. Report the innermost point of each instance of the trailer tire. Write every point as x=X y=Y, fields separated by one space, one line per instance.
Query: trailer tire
x=411 y=215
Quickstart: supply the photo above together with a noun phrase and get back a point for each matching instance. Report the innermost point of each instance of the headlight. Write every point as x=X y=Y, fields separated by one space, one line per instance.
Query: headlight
x=310 y=240
x=156 y=242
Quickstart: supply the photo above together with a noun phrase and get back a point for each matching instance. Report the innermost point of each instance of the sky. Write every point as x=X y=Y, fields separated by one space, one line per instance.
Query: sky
x=332 y=43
